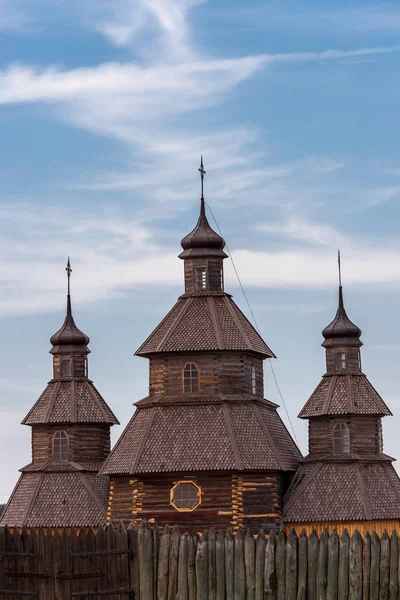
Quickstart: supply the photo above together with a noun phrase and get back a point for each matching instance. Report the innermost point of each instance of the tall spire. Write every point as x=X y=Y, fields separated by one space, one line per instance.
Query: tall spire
x=341 y=331
x=202 y=240
x=69 y=339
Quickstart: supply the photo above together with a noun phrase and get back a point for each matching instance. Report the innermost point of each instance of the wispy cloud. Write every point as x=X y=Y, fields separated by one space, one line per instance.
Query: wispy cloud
x=299 y=229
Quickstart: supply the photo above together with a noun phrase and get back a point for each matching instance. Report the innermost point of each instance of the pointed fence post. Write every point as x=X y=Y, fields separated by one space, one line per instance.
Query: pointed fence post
x=261 y=545
x=355 y=566
x=280 y=566
x=302 y=570
x=146 y=564
x=183 y=568
x=313 y=545
x=173 y=563
x=202 y=567
x=229 y=564
x=322 y=565
x=220 y=565
x=291 y=565
x=384 y=567
x=212 y=567
x=375 y=566
x=343 y=582
x=249 y=561
x=333 y=566
x=270 y=585
x=240 y=574
x=394 y=566
x=366 y=565
x=192 y=546
x=163 y=562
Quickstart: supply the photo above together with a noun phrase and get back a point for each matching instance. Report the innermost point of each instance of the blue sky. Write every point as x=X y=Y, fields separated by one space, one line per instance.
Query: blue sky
x=105 y=108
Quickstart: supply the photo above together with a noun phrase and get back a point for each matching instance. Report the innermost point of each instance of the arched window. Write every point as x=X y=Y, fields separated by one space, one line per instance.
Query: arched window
x=60 y=446
x=200 y=278
x=66 y=367
x=341 y=361
x=341 y=439
x=253 y=380
x=190 y=378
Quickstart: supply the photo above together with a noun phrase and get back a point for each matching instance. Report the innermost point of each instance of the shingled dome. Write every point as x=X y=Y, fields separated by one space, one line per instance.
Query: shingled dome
x=341 y=332
x=69 y=339
x=203 y=240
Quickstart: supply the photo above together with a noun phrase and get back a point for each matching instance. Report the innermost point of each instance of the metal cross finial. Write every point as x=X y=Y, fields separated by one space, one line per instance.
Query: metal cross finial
x=202 y=173
x=340 y=268
x=69 y=271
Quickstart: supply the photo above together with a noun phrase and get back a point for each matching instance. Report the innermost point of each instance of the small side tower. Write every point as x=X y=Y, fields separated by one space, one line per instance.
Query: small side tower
x=346 y=480
x=70 y=441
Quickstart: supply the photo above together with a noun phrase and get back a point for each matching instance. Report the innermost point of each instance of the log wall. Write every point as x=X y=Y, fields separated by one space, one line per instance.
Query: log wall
x=215 y=279
x=233 y=500
x=353 y=360
x=365 y=434
x=224 y=373
x=87 y=443
x=147 y=564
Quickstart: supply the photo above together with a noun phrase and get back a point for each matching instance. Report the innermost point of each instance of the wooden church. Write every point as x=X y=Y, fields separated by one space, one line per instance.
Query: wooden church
x=204 y=448
x=346 y=481
x=70 y=425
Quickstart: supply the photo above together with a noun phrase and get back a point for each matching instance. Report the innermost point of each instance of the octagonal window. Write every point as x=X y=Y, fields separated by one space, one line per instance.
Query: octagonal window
x=185 y=496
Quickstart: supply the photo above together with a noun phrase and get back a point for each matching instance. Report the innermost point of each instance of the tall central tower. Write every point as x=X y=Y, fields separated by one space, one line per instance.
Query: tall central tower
x=204 y=448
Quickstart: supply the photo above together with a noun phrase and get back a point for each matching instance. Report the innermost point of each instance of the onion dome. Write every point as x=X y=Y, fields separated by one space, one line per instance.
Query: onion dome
x=341 y=332
x=69 y=339
x=203 y=240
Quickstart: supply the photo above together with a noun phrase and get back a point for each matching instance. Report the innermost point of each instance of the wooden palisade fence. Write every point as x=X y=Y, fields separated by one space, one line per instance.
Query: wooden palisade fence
x=145 y=564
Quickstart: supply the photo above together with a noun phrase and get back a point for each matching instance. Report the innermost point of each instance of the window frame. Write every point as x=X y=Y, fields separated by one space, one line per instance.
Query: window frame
x=64 y=363
x=342 y=439
x=253 y=380
x=63 y=435
x=191 y=365
x=341 y=361
x=200 y=283
x=172 y=492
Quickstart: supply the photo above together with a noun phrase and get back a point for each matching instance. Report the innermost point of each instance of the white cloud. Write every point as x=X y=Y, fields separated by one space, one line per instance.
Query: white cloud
x=299 y=229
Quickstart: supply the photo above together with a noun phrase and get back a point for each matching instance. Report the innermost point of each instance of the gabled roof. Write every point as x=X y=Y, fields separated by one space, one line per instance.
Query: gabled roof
x=70 y=400
x=344 y=393
x=352 y=491
x=66 y=499
x=164 y=436
x=204 y=322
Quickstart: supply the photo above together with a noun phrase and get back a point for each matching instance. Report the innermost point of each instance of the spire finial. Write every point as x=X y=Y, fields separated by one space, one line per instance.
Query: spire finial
x=69 y=271
x=339 y=267
x=202 y=173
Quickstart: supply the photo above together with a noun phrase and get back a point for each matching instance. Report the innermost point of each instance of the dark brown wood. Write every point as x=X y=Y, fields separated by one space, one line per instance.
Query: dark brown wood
x=302 y=566
x=343 y=582
x=355 y=566
x=163 y=565
x=182 y=593
x=261 y=545
x=333 y=566
x=366 y=566
x=394 y=566
x=375 y=566
x=240 y=574
x=212 y=566
x=270 y=583
x=281 y=566
x=146 y=564
x=229 y=564
x=192 y=547
x=322 y=576
x=133 y=545
x=249 y=562
x=220 y=565
x=202 y=567
x=291 y=565
x=312 y=573
x=384 y=567
x=173 y=563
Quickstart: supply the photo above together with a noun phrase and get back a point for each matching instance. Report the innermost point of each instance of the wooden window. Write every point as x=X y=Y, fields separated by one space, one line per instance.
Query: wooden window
x=66 y=367
x=185 y=496
x=341 y=439
x=222 y=278
x=380 y=435
x=60 y=446
x=200 y=275
x=190 y=378
x=341 y=361
x=253 y=380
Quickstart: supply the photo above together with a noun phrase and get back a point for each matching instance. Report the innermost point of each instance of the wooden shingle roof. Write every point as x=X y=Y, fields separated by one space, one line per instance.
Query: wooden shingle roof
x=70 y=400
x=344 y=393
x=200 y=322
x=351 y=490
x=219 y=434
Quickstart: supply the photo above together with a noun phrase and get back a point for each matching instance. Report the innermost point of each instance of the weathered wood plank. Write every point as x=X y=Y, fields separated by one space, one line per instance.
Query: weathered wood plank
x=261 y=545
x=220 y=566
x=355 y=566
x=182 y=593
x=192 y=546
x=240 y=574
x=312 y=554
x=280 y=566
x=344 y=549
x=302 y=566
x=366 y=565
x=375 y=567
x=322 y=576
x=212 y=566
x=394 y=566
x=270 y=583
x=173 y=563
x=291 y=565
x=249 y=562
x=202 y=567
x=163 y=563
x=229 y=564
x=333 y=566
x=384 y=567
x=146 y=564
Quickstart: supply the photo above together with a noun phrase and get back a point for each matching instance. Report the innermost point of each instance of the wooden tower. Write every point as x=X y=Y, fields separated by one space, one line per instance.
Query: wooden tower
x=203 y=448
x=70 y=441
x=346 y=480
